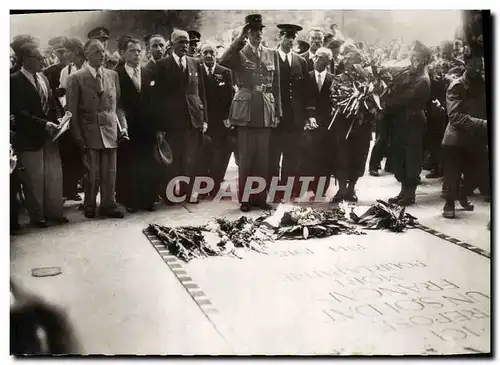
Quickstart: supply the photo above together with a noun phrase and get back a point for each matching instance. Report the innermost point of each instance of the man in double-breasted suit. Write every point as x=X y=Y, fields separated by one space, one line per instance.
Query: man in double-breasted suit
x=219 y=93
x=256 y=106
x=286 y=138
x=180 y=112
x=93 y=98
x=138 y=179
x=34 y=112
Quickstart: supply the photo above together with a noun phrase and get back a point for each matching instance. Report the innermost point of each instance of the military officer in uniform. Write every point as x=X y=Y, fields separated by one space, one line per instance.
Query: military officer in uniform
x=407 y=105
x=102 y=34
x=194 y=40
x=285 y=139
x=256 y=106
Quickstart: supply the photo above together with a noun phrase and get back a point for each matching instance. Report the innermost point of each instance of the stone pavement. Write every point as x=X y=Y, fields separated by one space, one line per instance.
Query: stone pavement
x=125 y=300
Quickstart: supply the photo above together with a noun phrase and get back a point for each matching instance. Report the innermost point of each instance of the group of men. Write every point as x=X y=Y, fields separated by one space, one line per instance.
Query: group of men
x=135 y=129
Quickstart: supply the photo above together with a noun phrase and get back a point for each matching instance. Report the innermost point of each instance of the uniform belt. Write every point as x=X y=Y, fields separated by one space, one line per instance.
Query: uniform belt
x=260 y=88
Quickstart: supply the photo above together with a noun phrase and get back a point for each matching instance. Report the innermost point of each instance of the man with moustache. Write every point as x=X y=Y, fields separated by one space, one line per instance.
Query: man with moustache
x=180 y=113
x=156 y=48
x=135 y=157
x=286 y=137
x=256 y=106
x=94 y=98
x=315 y=42
x=219 y=93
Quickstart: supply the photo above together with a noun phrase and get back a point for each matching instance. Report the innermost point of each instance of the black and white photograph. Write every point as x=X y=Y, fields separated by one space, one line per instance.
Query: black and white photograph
x=251 y=182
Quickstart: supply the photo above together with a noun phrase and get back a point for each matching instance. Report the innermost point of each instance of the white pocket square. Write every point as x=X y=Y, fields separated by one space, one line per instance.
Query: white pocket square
x=152 y=83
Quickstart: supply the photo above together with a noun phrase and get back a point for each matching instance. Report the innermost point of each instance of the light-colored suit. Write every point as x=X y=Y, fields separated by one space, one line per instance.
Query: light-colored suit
x=95 y=127
x=95 y=118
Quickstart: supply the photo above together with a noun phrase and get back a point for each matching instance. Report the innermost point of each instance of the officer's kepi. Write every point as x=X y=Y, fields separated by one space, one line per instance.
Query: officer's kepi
x=290 y=30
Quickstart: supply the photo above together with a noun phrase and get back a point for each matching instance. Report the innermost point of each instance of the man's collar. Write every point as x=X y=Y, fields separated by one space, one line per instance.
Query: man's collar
x=259 y=47
x=93 y=71
x=322 y=73
x=311 y=55
x=211 y=69
x=26 y=72
x=152 y=59
x=177 y=58
x=283 y=54
x=131 y=69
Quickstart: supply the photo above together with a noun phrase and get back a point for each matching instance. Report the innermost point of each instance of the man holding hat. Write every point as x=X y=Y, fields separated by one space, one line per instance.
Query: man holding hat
x=102 y=34
x=285 y=139
x=180 y=112
x=194 y=40
x=256 y=107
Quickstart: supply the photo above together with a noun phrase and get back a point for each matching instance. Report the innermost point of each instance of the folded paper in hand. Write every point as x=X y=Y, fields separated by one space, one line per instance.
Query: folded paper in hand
x=63 y=125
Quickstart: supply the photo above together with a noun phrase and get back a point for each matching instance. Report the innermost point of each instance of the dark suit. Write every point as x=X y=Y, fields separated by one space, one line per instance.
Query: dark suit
x=219 y=92
x=253 y=111
x=287 y=137
x=309 y=61
x=41 y=175
x=317 y=159
x=150 y=66
x=180 y=111
x=137 y=169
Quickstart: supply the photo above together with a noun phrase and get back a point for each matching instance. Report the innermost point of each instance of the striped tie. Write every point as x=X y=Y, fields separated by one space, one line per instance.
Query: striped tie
x=43 y=95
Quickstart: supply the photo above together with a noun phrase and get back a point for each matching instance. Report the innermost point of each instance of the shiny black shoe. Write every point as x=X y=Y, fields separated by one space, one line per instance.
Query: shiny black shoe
x=89 y=215
x=112 y=214
x=151 y=208
x=245 y=207
x=60 y=220
x=406 y=201
x=374 y=173
x=466 y=204
x=131 y=210
x=41 y=224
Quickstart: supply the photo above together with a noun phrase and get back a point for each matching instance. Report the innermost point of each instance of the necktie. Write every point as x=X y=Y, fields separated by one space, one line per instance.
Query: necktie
x=43 y=96
x=319 y=82
x=181 y=64
x=100 y=86
x=136 y=80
